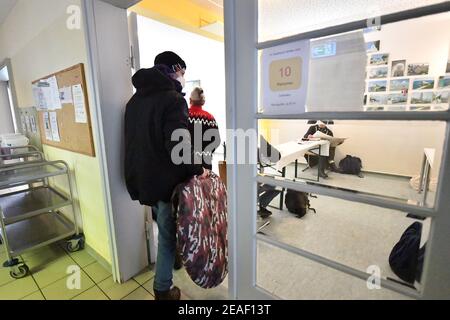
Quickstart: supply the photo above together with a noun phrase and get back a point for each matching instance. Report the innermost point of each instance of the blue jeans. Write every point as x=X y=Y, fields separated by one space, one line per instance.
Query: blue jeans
x=166 y=246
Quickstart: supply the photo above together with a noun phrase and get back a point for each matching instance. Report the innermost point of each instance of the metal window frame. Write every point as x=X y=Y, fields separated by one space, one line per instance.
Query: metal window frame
x=241 y=46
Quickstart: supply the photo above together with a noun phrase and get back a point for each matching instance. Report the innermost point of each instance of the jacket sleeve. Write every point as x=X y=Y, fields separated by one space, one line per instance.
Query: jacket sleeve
x=311 y=131
x=176 y=118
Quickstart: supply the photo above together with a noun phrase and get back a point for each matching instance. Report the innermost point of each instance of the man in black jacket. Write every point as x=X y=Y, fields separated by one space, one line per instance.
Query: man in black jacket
x=324 y=162
x=157 y=109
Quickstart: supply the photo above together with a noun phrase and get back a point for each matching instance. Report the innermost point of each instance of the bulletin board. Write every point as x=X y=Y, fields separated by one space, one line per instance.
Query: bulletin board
x=73 y=136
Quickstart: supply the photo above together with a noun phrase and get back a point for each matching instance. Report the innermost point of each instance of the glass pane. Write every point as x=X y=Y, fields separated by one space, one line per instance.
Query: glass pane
x=402 y=66
x=281 y=18
x=388 y=158
x=290 y=276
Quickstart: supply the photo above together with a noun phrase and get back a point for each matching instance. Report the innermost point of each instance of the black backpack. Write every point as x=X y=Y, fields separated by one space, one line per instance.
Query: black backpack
x=406 y=258
x=350 y=165
x=297 y=203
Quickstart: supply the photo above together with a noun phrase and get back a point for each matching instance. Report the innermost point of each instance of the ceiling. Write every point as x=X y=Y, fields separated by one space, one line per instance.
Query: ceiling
x=215 y=6
x=5 y=9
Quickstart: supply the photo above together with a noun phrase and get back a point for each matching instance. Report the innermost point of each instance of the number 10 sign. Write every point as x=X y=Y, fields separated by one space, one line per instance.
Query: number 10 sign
x=285 y=78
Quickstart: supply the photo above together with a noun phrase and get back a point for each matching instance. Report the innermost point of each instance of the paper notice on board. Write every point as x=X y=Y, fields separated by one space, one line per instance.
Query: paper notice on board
x=54 y=94
x=47 y=127
x=65 y=95
x=39 y=97
x=33 y=124
x=28 y=123
x=54 y=126
x=79 y=104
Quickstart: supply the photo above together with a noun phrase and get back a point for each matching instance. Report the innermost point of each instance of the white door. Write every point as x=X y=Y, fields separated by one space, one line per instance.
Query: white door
x=247 y=246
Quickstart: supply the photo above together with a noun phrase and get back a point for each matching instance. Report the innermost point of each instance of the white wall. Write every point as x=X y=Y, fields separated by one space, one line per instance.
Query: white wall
x=6 y=122
x=391 y=147
x=36 y=39
x=424 y=40
x=204 y=58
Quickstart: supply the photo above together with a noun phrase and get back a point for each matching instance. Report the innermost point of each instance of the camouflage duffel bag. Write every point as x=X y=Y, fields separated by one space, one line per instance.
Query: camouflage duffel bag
x=200 y=206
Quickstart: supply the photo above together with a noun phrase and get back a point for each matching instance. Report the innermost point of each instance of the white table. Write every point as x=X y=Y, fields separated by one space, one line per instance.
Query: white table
x=427 y=165
x=294 y=150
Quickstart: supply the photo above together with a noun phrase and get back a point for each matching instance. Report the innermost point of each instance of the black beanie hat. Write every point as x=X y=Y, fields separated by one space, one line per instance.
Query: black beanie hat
x=170 y=59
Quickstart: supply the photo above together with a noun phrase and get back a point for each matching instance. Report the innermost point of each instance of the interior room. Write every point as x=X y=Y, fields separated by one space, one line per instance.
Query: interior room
x=349 y=119
x=392 y=155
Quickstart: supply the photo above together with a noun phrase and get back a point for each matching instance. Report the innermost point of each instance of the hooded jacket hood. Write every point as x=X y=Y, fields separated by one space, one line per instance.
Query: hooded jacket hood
x=155 y=79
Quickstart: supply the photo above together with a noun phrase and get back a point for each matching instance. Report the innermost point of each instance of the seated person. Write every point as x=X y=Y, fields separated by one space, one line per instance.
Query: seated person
x=324 y=162
x=267 y=155
x=266 y=193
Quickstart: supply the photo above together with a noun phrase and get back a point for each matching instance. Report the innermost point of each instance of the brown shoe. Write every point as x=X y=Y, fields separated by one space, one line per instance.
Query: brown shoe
x=172 y=294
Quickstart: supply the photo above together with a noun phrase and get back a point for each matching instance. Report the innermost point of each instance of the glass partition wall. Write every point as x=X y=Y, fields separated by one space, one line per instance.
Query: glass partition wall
x=363 y=81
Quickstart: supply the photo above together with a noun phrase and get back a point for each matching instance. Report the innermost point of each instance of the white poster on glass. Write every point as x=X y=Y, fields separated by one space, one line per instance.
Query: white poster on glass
x=337 y=73
x=285 y=78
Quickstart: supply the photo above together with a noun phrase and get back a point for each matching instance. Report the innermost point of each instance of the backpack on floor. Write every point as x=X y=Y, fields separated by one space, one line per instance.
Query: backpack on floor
x=406 y=258
x=297 y=203
x=202 y=239
x=350 y=165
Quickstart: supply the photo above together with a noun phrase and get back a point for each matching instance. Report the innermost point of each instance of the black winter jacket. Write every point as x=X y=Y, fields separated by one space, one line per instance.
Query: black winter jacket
x=151 y=116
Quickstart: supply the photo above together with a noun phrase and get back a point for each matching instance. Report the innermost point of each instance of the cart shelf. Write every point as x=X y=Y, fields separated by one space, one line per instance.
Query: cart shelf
x=37 y=232
x=29 y=218
x=29 y=203
x=10 y=177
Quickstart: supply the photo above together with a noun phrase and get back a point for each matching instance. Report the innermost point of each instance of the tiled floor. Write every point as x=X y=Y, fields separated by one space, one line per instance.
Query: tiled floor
x=50 y=280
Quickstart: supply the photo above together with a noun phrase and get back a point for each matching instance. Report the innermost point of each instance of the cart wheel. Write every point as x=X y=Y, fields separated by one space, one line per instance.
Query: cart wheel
x=73 y=246
x=23 y=271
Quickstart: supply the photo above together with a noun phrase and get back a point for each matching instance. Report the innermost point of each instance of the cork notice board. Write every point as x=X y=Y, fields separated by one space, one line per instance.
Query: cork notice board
x=73 y=136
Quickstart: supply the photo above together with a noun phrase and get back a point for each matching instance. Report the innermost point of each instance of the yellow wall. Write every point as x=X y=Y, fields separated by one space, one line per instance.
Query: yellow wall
x=38 y=42
x=179 y=13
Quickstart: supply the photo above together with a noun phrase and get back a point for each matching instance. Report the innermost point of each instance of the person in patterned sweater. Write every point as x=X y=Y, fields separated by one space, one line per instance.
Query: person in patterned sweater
x=203 y=128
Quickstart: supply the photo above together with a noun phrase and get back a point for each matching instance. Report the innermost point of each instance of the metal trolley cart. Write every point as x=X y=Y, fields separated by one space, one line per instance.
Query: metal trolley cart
x=29 y=219
x=13 y=156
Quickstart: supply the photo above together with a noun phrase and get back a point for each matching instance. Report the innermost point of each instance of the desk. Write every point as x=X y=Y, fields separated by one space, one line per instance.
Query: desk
x=292 y=151
x=427 y=165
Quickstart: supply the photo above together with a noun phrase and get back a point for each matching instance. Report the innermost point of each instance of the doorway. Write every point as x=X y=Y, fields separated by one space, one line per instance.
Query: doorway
x=8 y=119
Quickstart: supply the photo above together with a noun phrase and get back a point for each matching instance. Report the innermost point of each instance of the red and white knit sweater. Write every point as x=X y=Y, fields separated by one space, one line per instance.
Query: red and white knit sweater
x=200 y=121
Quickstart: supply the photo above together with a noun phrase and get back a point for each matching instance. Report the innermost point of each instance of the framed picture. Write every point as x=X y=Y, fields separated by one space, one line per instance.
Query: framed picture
x=399 y=84
x=378 y=99
x=423 y=84
x=418 y=69
x=444 y=82
x=398 y=68
x=397 y=98
x=377 y=86
x=373 y=46
x=441 y=97
x=422 y=97
x=378 y=73
x=190 y=86
x=379 y=59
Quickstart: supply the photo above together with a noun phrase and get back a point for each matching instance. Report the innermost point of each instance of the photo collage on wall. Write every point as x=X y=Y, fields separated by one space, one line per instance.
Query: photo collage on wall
x=400 y=85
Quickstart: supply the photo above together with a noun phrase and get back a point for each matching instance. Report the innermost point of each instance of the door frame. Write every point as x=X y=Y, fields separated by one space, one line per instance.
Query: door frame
x=241 y=47
x=6 y=63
